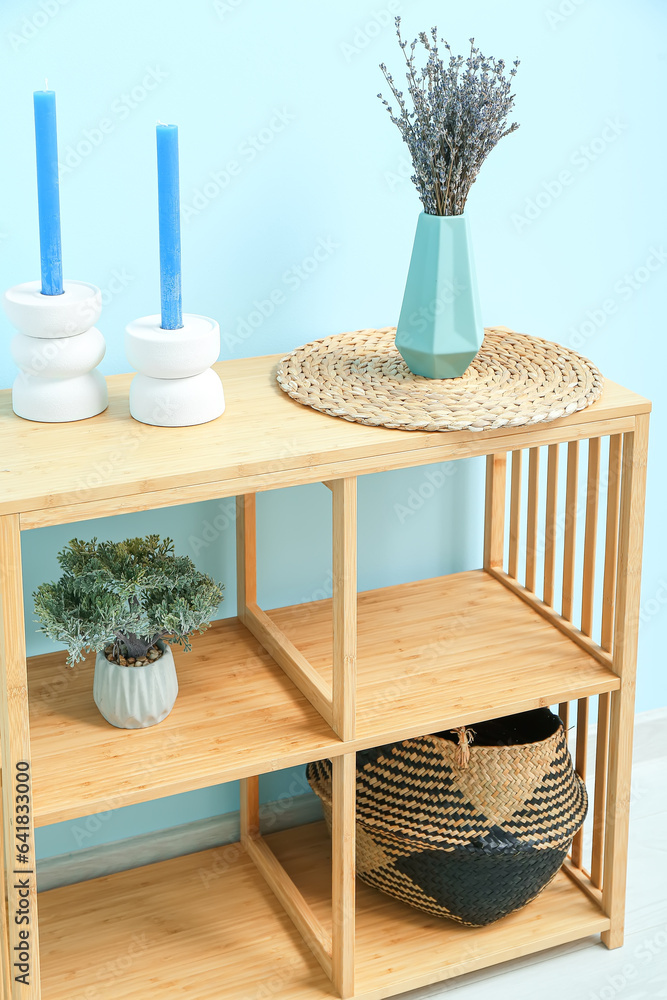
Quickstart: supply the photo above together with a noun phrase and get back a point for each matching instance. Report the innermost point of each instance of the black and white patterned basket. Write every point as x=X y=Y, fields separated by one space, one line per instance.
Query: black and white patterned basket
x=463 y=830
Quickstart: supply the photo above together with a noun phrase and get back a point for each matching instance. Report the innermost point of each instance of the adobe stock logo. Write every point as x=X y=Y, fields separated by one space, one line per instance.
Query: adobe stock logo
x=558 y=15
x=583 y=157
x=631 y=282
x=224 y=7
x=291 y=281
x=121 y=108
x=252 y=146
x=32 y=24
x=364 y=34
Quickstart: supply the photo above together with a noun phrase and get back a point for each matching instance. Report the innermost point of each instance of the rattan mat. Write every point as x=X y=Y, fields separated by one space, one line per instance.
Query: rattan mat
x=514 y=380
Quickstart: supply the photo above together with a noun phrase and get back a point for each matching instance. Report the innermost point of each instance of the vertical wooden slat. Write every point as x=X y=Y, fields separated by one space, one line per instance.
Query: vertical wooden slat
x=249 y=789
x=587 y=611
x=600 y=793
x=531 y=517
x=246 y=554
x=590 y=536
x=344 y=499
x=20 y=877
x=550 y=525
x=515 y=515
x=611 y=540
x=564 y=714
x=570 y=533
x=626 y=628
x=581 y=755
x=343 y=872
x=494 y=512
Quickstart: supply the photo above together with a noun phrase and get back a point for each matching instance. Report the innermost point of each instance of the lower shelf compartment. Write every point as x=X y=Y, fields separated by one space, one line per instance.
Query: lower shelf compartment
x=207 y=927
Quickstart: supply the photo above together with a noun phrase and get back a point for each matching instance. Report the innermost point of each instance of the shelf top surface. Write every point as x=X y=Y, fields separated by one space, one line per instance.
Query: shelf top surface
x=432 y=655
x=262 y=433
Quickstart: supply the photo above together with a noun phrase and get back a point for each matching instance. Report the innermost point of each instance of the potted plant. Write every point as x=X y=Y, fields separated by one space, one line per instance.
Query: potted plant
x=455 y=112
x=127 y=602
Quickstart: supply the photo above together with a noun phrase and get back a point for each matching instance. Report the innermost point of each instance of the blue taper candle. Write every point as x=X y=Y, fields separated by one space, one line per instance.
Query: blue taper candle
x=48 y=192
x=170 y=226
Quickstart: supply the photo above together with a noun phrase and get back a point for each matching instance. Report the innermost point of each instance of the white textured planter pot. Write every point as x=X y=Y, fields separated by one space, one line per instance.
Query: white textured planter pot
x=175 y=385
x=57 y=349
x=135 y=697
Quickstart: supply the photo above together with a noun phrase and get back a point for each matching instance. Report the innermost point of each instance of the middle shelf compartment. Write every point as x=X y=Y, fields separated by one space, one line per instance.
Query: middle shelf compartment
x=431 y=655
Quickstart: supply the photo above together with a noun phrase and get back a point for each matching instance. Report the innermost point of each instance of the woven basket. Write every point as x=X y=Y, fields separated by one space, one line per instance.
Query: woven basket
x=461 y=829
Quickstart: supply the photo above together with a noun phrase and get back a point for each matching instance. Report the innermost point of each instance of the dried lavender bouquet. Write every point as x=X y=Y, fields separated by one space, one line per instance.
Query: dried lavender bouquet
x=456 y=112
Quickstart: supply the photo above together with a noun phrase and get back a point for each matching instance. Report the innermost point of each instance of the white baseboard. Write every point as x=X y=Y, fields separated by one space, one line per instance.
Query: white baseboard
x=92 y=862
x=146 y=848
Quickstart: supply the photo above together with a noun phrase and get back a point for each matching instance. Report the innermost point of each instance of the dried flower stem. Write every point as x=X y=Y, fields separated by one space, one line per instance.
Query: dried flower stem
x=458 y=114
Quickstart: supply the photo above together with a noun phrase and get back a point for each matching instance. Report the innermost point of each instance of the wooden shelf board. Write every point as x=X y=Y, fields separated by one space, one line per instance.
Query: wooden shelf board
x=443 y=652
x=110 y=457
x=432 y=654
x=206 y=926
x=236 y=714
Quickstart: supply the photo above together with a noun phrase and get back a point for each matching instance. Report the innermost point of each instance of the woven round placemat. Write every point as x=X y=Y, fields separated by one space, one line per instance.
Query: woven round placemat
x=514 y=380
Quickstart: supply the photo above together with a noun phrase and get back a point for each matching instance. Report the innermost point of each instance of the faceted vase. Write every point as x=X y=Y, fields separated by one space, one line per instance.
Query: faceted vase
x=440 y=327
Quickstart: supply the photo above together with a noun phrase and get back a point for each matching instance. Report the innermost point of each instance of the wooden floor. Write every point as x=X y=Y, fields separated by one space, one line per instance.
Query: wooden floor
x=424 y=664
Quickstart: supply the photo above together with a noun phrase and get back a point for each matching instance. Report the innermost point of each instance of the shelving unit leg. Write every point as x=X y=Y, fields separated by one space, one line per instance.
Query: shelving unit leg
x=626 y=626
x=606 y=641
x=249 y=791
x=246 y=554
x=343 y=871
x=344 y=502
x=20 y=877
x=494 y=511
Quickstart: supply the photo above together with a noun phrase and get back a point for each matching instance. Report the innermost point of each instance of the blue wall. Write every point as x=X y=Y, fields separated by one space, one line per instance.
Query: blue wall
x=284 y=148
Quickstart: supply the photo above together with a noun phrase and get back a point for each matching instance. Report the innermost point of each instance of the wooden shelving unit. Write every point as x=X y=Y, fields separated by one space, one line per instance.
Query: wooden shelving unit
x=271 y=689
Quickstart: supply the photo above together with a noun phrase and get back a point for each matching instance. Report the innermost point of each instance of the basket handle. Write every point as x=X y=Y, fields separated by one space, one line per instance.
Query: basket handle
x=462 y=751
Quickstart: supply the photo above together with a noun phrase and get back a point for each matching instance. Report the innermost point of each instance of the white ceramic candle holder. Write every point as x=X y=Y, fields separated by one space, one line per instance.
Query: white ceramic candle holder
x=175 y=385
x=57 y=349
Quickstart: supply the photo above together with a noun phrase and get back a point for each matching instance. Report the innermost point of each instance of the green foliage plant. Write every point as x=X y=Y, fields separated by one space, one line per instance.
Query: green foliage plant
x=127 y=595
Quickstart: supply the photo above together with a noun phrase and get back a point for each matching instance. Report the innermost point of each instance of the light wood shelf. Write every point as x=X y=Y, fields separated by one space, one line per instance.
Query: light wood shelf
x=437 y=653
x=274 y=688
x=431 y=655
x=57 y=473
x=208 y=927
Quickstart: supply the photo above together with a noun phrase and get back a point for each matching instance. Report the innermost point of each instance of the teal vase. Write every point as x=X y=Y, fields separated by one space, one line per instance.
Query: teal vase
x=440 y=327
